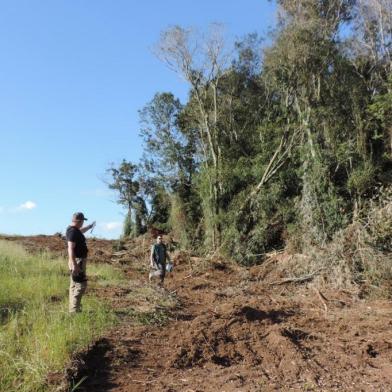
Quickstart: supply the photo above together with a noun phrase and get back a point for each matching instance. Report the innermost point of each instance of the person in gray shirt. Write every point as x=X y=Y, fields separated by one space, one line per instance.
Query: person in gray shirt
x=158 y=257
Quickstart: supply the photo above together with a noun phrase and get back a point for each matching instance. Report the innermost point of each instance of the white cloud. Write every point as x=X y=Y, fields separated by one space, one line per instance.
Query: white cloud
x=111 y=226
x=28 y=205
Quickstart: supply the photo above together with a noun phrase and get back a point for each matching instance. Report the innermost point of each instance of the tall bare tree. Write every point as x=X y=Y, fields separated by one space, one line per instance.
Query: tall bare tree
x=202 y=61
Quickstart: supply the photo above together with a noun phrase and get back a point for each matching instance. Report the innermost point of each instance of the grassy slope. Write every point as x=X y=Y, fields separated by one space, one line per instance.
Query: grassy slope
x=37 y=335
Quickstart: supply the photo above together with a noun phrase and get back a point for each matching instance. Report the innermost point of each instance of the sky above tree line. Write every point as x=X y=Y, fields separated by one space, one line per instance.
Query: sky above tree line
x=73 y=76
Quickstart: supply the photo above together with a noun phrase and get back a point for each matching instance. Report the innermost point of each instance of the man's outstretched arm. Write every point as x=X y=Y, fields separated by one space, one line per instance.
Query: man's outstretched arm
x=88 y=227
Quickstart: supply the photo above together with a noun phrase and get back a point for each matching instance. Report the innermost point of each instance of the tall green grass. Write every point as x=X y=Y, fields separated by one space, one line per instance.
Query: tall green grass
x=37 y=335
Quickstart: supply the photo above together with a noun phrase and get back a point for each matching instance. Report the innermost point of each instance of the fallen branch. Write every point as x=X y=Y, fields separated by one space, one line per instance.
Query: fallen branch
x=208 y=344
x=274 y=253
x=264 y=271
x=322 y=298
x=121 y=253
x=144 y=382
x=300 y=279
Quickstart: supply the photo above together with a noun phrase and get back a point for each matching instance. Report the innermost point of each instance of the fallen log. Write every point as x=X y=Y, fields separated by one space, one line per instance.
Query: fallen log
x=300 y=279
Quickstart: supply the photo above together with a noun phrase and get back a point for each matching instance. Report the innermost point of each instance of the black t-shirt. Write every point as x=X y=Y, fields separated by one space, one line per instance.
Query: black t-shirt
x=75 y=235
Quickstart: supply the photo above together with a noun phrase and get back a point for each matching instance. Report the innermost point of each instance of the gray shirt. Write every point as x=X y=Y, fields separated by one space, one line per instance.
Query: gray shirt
x=159 y=253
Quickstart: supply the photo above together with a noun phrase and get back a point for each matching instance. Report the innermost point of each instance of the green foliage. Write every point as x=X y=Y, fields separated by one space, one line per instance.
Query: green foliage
x=381 y=106
x=156 y=317
x=273 y=147
x=256 y=226
x=169 y=162
x=180 y=224
x=380 y=110
x=321 y=208
x=168 y=147
x=362 y=178
x=128 y=226
x=160 y=209
x=124 y=183
x=129 y=196
x=209 y=220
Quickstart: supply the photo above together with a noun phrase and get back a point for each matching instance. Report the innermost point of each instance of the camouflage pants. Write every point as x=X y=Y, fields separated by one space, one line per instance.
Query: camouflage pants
x=77 y=289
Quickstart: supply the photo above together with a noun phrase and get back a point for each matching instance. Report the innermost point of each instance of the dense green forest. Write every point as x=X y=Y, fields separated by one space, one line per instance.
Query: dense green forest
x=283 y=141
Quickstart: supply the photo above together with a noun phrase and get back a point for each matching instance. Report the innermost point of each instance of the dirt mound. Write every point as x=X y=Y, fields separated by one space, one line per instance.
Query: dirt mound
x=239 y=335
x=99 y=250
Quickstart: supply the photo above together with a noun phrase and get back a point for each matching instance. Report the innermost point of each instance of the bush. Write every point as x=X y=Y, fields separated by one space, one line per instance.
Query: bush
x=362 y=179
x=254 y=227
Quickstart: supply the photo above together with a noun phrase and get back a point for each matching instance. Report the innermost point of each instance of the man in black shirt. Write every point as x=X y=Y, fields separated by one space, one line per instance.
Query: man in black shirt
x=77 y=258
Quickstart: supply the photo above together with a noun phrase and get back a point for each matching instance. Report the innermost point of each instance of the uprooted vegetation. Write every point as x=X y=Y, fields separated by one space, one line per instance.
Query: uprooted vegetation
x=357 y=259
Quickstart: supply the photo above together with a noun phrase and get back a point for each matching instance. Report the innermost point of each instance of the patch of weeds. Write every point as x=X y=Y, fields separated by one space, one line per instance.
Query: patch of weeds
x=125 y=312
x=157 y=317
x=168 y=300
x=308 y=387
x=141 y=269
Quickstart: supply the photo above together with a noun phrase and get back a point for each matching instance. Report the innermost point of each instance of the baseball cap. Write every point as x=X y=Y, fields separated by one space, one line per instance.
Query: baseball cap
x=78 y=216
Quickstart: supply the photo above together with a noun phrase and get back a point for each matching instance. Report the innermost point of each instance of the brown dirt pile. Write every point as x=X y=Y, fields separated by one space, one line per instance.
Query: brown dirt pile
x=99 y=250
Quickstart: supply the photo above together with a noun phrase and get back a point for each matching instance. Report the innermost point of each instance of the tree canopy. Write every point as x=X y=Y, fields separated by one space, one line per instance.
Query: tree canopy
x=276 y=144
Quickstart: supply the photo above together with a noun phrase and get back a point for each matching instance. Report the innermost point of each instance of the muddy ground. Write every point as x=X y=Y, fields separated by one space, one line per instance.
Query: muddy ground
x=233 y=329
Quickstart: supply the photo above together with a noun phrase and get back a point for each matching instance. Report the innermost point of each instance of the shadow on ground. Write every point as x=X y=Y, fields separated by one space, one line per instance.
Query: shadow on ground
x=98 y=363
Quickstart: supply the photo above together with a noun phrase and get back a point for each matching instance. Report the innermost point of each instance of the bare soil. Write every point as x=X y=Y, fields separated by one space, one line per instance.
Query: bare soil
x=236 y=329
x=100 y=249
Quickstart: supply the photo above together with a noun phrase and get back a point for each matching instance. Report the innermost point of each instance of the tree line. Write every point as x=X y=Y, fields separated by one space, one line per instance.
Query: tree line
x=279 y=143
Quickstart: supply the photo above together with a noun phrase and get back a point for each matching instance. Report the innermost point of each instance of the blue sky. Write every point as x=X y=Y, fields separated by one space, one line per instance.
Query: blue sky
x=73 y=75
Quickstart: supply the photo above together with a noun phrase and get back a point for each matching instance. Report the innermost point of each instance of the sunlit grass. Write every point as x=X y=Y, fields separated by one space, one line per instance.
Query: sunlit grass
x=105 y=275
x=37 y=335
